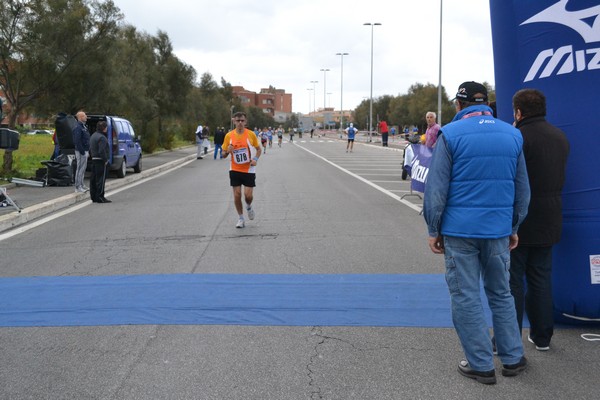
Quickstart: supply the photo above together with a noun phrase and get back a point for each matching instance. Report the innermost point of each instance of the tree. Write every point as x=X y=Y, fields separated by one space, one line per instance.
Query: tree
x=258 y=118
x=42 y=42
x=170 y=83
x=381 y=109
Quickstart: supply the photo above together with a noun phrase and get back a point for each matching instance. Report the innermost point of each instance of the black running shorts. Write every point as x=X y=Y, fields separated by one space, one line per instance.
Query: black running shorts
x=242 y=178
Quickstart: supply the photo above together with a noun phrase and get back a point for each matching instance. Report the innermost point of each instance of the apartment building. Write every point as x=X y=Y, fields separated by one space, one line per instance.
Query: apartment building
x=275 y=102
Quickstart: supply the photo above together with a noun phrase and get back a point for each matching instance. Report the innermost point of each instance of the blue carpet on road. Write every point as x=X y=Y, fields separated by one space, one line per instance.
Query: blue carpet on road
x=222 y=299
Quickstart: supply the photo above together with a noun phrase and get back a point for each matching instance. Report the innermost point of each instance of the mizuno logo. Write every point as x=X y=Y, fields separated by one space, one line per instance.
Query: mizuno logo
x=585 y=22
x=566 y=59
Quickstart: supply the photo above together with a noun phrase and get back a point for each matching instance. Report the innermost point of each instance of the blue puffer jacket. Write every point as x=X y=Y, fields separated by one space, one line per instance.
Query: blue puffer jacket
x=481 y=194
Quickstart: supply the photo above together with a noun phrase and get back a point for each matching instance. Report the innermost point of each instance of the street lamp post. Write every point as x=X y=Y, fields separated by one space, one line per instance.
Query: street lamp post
x=309 y=90
x=314 y=95
x=324 y=88
x=329 y=121
x=342 y=91
x=371 y=97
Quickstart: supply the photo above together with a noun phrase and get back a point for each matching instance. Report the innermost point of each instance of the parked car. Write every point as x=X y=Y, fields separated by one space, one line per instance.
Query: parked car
x=39 y=132
x=125 y=149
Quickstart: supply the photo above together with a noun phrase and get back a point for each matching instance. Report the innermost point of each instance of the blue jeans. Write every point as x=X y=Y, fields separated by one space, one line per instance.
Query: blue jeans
x=467 y=261
x=218 y=148
x=533 y=264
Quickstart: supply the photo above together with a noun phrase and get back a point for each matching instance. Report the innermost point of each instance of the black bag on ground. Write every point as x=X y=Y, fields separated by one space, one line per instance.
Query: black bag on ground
x=60 y=171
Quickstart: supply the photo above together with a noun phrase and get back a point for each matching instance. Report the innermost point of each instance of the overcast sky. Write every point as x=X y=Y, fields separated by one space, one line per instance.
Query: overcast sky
x=285 y=43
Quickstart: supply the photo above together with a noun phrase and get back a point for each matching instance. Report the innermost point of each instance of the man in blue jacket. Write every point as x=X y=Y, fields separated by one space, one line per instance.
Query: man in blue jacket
x=81 y=140
x=476 y=196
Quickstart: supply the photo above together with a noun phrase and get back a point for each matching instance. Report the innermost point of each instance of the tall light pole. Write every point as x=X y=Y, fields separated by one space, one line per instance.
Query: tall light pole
x=324 y=88
x=372 y=24
x=342 y=91
x=309 y=90
x=439 y=114
x=314 y=95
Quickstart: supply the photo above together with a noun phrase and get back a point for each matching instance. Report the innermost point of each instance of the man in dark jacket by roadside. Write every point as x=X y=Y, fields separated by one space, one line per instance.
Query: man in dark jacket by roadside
x=99 y=152
x=546 y=149
x=219 y=137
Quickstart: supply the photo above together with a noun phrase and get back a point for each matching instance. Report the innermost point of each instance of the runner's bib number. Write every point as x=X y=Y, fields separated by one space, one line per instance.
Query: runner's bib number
x=241 y=156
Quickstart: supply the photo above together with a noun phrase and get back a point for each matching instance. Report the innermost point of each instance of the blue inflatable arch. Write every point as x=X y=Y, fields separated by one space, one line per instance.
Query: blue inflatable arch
x=554 y=46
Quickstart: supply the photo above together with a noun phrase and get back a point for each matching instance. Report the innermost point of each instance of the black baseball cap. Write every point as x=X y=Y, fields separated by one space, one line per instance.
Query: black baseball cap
x=467 y=91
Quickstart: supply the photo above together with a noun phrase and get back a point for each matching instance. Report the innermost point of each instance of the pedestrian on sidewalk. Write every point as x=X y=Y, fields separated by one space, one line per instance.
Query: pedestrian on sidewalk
x=99 y=151
x=219 y=137
x=81 y=140
x=199 y=140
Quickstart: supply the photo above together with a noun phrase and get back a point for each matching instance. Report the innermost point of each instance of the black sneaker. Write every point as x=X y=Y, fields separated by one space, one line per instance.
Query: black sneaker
x=514 y=369
x=485 y=377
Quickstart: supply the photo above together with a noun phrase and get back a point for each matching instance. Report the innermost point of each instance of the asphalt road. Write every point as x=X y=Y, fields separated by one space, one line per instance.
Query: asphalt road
x=319 y=210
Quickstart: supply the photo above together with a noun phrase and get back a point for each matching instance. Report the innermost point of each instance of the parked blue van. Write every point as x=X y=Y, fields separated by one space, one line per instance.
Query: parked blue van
x=124 y=145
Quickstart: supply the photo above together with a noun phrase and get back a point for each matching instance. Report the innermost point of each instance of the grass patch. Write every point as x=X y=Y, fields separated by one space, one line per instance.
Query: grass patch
x=26 y=160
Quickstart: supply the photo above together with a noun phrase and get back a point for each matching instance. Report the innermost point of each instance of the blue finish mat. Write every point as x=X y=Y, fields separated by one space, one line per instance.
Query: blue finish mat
x=221 y=299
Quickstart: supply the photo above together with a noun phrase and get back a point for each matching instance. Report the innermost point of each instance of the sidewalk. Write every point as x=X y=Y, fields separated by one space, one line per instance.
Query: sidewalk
x=36 y=202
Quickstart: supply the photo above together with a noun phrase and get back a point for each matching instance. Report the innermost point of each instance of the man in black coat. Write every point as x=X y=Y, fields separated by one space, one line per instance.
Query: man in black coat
x=99 y=151
x=219 y=137
x=546 y=149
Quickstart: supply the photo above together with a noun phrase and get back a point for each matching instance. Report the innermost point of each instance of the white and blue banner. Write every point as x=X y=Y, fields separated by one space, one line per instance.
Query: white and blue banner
x=419 y=166
x=554 y=46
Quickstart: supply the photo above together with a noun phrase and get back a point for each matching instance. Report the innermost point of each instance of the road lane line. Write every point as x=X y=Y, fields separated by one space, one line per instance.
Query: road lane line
x=360 y=178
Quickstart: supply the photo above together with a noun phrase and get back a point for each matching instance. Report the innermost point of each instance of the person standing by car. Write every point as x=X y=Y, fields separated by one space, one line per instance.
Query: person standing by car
x=546 y=150
x=99 y=151
x=476 y=196
x=81 y=140
x=245 y=151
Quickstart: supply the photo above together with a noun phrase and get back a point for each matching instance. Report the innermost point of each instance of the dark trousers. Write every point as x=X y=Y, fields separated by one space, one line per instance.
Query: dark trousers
x=97 y=180
x=384 y=139
x=531 y=286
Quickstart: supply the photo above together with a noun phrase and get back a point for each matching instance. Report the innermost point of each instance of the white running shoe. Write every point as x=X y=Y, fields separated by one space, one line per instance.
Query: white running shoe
x=240 y=223
x=250 y=213
x=538 y=348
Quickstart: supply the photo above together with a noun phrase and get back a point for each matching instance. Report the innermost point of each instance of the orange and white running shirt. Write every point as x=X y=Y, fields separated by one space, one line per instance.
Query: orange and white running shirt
x=244 y=148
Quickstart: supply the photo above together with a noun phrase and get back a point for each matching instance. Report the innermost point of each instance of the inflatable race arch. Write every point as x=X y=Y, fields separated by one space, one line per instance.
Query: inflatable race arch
x=554 y=46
